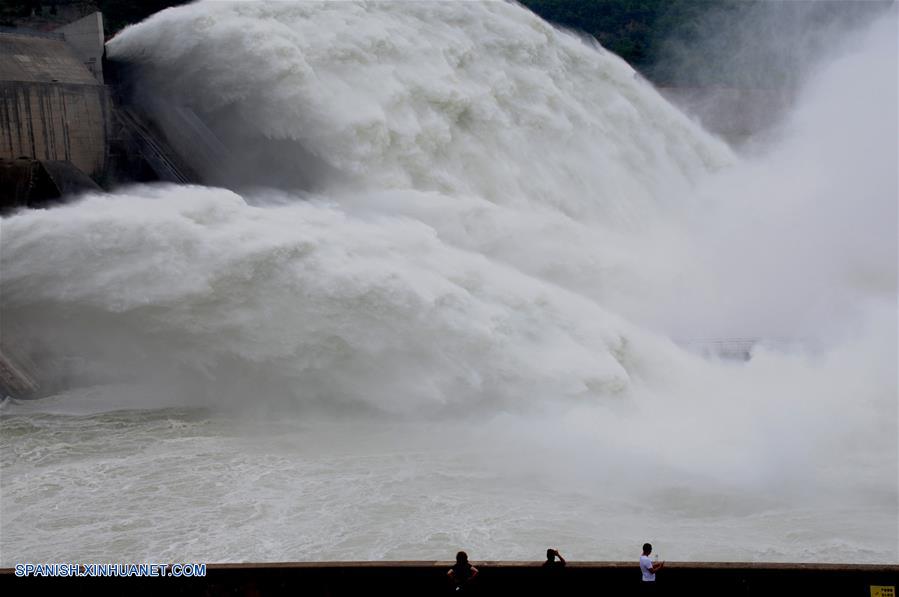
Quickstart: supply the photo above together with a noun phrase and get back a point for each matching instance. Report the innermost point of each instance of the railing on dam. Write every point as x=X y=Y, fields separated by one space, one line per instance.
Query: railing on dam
x=495 y=578
x=31 y=32
x=157 y=154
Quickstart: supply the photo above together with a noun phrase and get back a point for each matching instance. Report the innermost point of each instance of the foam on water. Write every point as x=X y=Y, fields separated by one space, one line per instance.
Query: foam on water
x=456 y=335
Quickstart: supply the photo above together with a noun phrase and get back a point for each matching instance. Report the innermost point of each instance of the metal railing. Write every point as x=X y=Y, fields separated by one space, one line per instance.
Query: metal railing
x=31 y=33
x=152 y=150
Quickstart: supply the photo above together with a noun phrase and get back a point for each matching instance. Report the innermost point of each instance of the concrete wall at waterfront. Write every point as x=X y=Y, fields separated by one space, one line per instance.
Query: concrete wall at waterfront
x=496 y=578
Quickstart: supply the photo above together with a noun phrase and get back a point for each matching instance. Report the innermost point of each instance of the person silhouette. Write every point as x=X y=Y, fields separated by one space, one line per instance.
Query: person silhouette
x=462 y=573
x=551 y=579
x=551 y=555
x=649 y=569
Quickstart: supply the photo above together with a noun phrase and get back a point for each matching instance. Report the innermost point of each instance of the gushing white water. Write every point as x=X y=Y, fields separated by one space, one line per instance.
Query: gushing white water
x=461 y=322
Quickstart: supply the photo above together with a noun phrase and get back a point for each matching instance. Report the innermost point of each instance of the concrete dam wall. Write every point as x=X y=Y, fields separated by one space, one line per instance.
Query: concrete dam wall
x=51 y=106
x=59 y=111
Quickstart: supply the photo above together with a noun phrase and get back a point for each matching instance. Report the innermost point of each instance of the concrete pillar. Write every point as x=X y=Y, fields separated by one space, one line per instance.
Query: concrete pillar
x=85 y=36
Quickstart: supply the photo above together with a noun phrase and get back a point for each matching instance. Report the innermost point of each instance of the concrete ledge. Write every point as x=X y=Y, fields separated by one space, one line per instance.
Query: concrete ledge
x=496 y=578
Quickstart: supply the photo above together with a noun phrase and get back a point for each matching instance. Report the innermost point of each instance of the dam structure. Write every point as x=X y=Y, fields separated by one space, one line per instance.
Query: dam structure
x=54 y=112
x=66 y=128
x=63 y=126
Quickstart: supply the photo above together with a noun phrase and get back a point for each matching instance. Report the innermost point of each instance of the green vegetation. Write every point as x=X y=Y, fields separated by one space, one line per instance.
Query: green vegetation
x=45 y=14
x=624 y=26
x=741 y=43
x=117 y=14
x=13 y=10
x=636 y=30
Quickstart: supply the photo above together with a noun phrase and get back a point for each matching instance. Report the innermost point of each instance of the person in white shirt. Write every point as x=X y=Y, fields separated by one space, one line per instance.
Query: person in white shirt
x=647 y=567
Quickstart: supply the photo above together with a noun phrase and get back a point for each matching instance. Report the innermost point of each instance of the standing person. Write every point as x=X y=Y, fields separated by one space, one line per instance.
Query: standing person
x=462 y=573
x=649 y=569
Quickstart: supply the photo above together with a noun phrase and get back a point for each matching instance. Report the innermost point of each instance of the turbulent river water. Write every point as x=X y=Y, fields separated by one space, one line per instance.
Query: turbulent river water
x=444 y=306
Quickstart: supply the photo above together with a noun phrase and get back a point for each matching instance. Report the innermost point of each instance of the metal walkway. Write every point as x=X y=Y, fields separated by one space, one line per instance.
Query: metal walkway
x=158 y=155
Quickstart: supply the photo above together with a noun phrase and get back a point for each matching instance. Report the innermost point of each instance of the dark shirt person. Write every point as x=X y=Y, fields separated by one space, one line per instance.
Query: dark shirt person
x=462 y=573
